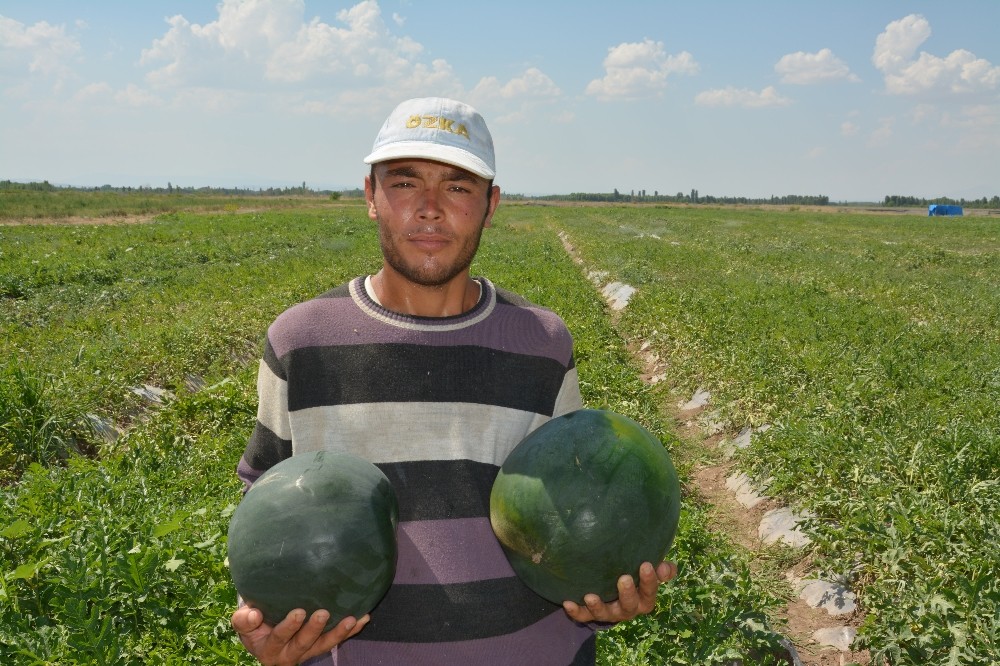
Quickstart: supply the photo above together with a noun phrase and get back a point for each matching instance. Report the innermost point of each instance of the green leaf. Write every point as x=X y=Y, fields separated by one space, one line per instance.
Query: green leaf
x=16 y=529
x=173 y=564
x=940 y=603
x=28 y=570
x=207 y=542
x=171 y=525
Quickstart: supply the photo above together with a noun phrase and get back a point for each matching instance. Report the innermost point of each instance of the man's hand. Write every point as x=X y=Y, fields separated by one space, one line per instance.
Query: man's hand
x=293 y=639
x=630 y=602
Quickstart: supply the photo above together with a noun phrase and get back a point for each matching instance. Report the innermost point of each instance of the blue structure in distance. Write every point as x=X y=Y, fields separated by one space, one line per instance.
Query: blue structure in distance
x=943 y=209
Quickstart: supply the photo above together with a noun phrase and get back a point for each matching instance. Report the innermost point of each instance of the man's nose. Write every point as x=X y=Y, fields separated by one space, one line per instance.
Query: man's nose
x=430 y=204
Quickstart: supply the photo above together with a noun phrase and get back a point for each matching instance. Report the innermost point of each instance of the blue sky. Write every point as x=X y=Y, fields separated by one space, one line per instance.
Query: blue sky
x=852 y=99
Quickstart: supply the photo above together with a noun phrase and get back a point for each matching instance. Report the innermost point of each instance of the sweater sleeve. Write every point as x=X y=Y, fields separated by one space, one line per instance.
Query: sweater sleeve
x=271 y=439
x=569 y=398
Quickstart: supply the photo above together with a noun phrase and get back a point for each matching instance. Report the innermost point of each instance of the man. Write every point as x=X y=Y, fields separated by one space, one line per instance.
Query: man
x=434 y=376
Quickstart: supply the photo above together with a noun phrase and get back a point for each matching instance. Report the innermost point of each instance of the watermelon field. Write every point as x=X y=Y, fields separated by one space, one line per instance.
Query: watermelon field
x=867 y=342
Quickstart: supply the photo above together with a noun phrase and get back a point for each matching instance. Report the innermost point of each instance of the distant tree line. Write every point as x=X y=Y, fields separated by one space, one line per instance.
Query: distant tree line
x=634 y=196
x=45 y=186
x=900 y=201
x=643 y=196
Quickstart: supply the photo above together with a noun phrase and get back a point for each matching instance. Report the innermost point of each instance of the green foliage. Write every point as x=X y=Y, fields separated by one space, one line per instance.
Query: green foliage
x=714 y=611
x=43 y=201
x=126 y=305
x=33 y=426
x=870 y=345
x=120 y=559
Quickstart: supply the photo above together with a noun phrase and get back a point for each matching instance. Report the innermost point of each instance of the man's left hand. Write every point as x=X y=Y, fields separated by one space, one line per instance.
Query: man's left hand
x=632 y=600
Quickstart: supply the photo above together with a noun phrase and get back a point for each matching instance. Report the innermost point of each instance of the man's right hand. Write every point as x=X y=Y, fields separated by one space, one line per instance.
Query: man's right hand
x=292 y=640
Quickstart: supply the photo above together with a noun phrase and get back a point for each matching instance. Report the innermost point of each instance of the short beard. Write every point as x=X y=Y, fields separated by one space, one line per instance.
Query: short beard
x=432 y=275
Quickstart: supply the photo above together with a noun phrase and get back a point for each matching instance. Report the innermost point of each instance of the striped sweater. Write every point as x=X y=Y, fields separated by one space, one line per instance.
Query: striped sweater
x=436 y=404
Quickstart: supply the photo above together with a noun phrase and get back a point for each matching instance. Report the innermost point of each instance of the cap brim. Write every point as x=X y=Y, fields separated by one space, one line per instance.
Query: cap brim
x=431 y=151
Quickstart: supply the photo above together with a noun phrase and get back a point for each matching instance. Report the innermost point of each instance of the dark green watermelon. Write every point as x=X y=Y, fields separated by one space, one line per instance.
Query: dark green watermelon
x=317 y=530
x=583 y=499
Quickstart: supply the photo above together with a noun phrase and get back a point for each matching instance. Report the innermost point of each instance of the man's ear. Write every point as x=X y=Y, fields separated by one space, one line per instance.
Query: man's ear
x=370 y=198
x=494 y=202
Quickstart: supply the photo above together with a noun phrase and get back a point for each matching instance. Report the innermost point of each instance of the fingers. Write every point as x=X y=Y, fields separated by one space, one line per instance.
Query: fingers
x=286 y=630
x=666 y=571
x=344 y=629
x=246 y=619
x=359 y=625
x=633 y=599
x=306 y=638
x=588 y=612
x=629 y=598
x=294 y=639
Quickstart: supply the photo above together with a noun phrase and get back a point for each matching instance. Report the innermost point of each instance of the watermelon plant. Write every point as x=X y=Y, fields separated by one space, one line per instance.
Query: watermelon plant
x=118 y=556
x=869 y=344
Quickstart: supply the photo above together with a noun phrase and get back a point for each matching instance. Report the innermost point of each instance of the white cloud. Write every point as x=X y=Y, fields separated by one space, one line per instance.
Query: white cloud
x=958 y=72
x=269 y=40
x=515 y=101
x=639 y=69
x=365 y=48
x=806 y=68
x=42 y=48
x=977 y=117
x=899 y=41
x=923 y=113
x=847 y=128
x=742 y=97
x=980 y=128
x=532 y=84
x=101 y=95
x=135 y=96
x=882 y=134
x=99 y=90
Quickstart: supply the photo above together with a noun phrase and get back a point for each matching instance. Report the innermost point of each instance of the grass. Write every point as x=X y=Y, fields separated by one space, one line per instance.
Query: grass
x=32 y=428
x=40 y=205
x=126 y=305
x=870 y=343
x=118 y=558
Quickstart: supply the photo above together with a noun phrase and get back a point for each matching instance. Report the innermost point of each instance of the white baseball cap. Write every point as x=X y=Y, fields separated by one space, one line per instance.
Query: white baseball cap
x=439 y=129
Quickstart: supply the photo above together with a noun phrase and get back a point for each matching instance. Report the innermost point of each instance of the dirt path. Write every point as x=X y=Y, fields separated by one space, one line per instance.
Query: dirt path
x=797 y=620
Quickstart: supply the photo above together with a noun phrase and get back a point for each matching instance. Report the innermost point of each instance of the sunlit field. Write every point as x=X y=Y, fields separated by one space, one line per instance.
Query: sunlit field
x=867 y=342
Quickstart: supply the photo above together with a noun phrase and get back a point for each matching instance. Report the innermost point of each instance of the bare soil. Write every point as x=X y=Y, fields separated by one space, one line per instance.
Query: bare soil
x=797 y=620
x=76 y=220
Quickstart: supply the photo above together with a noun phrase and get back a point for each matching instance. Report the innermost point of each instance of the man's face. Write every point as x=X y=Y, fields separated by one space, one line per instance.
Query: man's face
x=430 y=217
